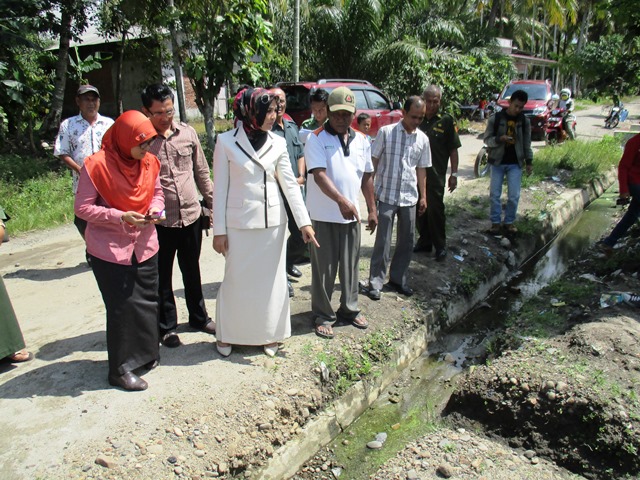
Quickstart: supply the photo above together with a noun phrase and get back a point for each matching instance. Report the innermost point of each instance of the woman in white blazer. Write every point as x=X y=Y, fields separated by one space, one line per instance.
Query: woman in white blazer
x=250 y=225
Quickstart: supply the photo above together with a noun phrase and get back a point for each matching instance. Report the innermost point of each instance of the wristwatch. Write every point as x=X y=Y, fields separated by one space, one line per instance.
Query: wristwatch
x=454 y=174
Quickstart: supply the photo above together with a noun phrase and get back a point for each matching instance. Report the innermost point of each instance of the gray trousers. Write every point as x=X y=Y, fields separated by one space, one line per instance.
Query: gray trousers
x=339 y=253
x=382 y=246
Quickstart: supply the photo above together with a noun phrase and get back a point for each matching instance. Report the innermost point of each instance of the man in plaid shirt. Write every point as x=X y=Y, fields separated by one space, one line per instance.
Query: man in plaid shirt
x=401 y=156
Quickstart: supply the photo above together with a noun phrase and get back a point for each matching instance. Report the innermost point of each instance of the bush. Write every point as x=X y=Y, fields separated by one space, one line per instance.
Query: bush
x=585 y=160
x=38 y=203
x=19 y=168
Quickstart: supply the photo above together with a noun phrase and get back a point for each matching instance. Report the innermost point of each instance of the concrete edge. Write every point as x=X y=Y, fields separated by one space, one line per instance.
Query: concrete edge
x=330 y=423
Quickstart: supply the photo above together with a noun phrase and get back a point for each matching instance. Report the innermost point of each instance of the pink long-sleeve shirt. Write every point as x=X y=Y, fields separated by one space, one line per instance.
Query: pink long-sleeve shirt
x=108 y=238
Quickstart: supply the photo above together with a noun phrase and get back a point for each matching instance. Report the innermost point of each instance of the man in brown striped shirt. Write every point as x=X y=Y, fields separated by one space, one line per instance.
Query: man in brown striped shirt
x=183 y=173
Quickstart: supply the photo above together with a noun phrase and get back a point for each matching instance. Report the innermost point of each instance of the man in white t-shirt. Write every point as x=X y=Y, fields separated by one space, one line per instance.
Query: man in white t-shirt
x=339 y=163
x=81 y=136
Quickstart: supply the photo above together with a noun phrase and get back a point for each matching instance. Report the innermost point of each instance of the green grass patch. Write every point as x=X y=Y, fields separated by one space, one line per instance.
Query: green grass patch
x=38 y=203
x=349 y=365
x=585 y=161
x=469 y=280
x=35 y=192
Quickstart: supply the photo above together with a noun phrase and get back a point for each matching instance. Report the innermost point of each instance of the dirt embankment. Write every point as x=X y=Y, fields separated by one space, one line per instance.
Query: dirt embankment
x=204 y=416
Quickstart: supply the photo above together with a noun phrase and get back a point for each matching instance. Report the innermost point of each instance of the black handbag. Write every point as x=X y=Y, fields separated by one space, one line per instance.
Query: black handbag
x=205 y=217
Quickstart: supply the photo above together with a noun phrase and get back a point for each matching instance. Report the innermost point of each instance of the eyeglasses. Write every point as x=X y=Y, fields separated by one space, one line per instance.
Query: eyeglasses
x=166 y=113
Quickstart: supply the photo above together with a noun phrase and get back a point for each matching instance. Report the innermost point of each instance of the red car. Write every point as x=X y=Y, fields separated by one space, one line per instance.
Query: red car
x=369 y=99
x=536 y=108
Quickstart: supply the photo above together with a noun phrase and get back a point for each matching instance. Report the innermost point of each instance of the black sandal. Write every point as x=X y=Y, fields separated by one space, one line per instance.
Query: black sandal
x=326 y=335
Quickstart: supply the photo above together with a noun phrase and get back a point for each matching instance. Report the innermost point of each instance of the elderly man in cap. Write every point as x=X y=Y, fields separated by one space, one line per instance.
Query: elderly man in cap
x=339 y=163
x=81 y=136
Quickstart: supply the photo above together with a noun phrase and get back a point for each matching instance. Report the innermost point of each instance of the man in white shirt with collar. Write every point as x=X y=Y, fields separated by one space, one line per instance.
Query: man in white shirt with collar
x=339 y=166
x=81 y=136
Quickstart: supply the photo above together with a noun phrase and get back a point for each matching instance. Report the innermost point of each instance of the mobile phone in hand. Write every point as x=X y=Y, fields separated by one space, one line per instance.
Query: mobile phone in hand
x=155 y=216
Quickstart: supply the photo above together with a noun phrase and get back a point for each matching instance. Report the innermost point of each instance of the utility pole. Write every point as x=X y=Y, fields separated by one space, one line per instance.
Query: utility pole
x=296 y=41
x=177 y=66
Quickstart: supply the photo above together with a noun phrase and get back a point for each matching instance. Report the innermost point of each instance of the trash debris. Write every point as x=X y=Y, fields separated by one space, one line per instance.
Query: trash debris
x=486 y=251
x=613 y=298
x=555 y=179
x=459 y=258
x=324 y=372
x=591 y=277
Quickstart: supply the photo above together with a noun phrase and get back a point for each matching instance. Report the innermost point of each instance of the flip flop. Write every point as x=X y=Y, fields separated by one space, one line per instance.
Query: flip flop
x=19 y=357
x=325 y=334
x=363 y=323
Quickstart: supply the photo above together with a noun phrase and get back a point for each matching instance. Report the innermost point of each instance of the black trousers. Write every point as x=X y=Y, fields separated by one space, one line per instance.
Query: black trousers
x=431 y=224
x=130 y=295
x=186 y=242
x=297 y=250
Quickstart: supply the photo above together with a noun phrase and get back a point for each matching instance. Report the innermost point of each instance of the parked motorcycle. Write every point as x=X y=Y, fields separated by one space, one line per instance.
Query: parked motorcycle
x=482 y=165
x=554 y=131
x=618 y=114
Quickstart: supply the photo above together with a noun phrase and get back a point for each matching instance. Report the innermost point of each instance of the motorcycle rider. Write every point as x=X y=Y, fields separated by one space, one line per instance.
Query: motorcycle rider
x=566 y=103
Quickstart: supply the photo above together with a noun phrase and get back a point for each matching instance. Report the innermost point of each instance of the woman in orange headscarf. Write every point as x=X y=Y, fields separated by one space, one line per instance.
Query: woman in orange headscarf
x=120 y=197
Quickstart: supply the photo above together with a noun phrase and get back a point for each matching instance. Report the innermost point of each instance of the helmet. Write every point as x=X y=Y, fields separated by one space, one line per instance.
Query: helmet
x=565 y=92
x=555 y=97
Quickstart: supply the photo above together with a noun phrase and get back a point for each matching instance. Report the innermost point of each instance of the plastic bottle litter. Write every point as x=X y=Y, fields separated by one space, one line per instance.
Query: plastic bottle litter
x=613 y=298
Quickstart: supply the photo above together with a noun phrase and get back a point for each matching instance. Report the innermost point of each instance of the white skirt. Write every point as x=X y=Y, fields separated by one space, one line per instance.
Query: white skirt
x=252 y=306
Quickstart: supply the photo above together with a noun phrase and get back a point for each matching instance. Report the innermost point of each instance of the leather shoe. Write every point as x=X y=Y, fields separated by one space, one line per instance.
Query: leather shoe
x=170 y=339
x=152 y=365
x=407 y=291
x=290 y=287
x=374 y=294
x=293 y=271
x=422 y=248
x=209 y=327
x=129 y=381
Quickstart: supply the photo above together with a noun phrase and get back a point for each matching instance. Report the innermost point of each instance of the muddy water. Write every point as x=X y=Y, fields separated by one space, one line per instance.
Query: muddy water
x=411 y=406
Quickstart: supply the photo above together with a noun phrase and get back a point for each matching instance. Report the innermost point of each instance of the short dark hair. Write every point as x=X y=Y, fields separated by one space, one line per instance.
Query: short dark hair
x=319 y=95
x=362 y=117
x=412 y=100
x=157 y=92
x=519 y=95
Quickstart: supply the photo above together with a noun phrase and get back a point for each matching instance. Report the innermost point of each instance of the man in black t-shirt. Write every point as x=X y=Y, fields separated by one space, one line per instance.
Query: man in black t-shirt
x=508 y=136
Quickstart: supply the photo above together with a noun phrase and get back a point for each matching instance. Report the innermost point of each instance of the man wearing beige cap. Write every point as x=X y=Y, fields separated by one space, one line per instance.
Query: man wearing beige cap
x=339 y=163
x=81 y=136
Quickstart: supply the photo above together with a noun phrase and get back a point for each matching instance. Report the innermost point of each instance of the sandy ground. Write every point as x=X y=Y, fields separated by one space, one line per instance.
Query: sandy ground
x=61 y=401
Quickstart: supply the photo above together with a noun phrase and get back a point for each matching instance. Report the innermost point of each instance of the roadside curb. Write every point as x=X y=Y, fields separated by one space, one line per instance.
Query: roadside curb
x=346 y=409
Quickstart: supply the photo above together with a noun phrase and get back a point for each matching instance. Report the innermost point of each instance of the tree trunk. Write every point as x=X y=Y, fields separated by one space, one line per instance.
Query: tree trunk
x=209 y=124
x=123 y=46
x=177 y=67
x=51 y=122
x=203 y=96
x=492 y=14
x=582 y=37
